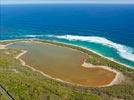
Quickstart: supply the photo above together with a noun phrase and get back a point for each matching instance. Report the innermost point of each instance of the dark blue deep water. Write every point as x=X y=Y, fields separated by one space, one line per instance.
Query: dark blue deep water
x=106 y=29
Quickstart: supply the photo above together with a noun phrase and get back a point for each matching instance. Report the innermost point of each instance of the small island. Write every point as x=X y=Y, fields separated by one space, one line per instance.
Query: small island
x=45 y=69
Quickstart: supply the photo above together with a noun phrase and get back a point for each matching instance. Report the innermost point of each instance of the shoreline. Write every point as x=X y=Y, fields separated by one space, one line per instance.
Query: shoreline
x=118 y=77
x=39 y=40
x=95 y=53
x=5 y=46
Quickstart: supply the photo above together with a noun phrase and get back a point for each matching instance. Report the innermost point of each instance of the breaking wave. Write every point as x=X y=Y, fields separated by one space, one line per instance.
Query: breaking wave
x=124 y=51
x=33 y=36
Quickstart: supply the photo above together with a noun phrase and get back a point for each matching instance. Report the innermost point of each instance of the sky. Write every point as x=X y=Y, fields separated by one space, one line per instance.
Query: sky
x=66 y=1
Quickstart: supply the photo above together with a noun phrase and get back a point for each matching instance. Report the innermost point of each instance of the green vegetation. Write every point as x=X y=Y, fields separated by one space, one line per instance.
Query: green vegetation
x=2 y=97
x=25 y=84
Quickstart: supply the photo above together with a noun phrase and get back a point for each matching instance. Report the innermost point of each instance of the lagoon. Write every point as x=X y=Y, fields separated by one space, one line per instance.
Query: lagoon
x=63 y=63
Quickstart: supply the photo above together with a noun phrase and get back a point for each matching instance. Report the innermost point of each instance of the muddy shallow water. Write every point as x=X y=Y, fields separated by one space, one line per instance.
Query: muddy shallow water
x=63 y=63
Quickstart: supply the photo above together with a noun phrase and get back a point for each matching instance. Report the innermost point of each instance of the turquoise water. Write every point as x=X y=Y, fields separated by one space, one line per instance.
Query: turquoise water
x=103 y=50
x=106 y=29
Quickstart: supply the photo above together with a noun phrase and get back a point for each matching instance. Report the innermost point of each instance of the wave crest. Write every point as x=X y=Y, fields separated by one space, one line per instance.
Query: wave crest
x=124 y=51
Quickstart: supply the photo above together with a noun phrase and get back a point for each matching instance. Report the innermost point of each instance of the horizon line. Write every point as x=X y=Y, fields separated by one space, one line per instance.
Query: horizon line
x=62 y=2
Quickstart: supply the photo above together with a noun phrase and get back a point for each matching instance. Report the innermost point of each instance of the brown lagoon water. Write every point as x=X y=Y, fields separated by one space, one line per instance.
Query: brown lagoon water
x=63 y=63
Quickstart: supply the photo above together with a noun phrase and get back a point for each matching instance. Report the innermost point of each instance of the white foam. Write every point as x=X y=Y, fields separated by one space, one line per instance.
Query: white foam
x=33 y=36
x=124 y=51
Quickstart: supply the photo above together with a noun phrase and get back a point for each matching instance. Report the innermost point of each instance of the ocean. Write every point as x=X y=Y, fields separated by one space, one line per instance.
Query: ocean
x=105 y=29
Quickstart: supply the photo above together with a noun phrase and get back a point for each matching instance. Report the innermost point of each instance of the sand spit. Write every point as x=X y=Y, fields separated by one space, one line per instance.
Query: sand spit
x=4 y=46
